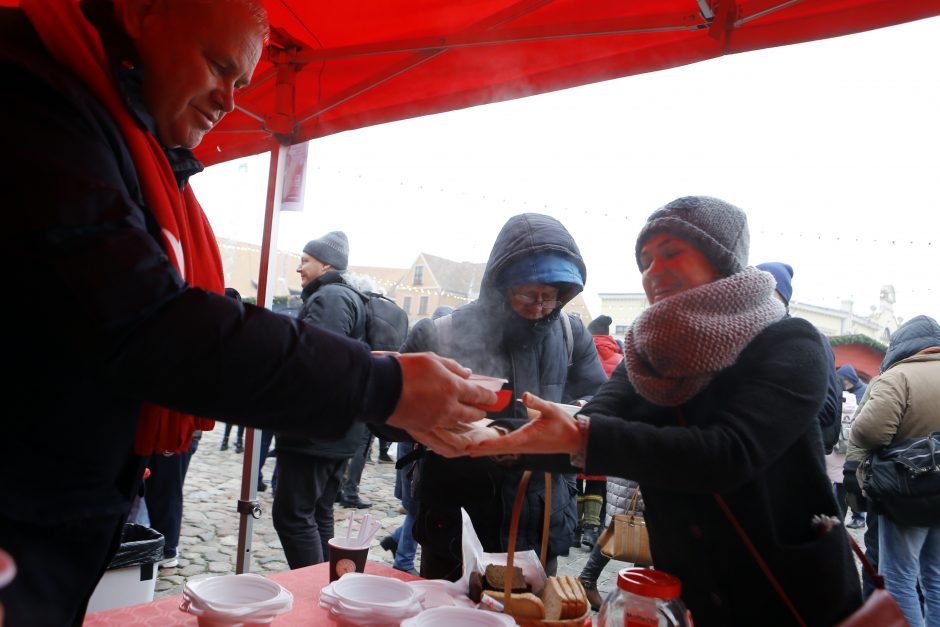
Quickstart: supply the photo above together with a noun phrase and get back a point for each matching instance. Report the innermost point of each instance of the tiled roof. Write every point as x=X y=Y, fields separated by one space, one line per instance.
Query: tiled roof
x=456 y=277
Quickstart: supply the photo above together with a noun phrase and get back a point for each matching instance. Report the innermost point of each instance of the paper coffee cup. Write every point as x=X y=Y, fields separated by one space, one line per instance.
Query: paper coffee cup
x=345 y=559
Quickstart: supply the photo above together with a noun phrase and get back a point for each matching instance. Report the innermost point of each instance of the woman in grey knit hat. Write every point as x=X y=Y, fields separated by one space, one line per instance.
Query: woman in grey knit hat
x=713 y=412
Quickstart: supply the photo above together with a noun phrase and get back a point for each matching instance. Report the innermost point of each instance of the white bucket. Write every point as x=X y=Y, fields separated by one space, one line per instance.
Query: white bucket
x=121 y=587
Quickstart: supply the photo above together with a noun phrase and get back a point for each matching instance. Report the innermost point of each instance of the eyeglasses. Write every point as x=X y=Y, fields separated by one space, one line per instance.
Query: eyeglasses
x=528 y=301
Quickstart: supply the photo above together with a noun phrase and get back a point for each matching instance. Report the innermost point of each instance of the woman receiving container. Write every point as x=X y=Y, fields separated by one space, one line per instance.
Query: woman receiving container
x=715 y=403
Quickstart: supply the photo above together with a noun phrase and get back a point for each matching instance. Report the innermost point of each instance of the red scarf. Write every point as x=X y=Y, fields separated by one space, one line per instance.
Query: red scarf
x=188 y=238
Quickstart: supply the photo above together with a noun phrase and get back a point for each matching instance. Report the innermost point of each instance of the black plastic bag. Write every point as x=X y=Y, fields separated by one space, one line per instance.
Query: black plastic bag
x=139 y=545
x=904 y=481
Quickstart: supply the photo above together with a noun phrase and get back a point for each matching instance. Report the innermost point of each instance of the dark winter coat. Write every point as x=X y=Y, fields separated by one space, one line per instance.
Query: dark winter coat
x=329 y=304
x=752 y=435
x=830 y=414
x=76 y=223
x=489 y=338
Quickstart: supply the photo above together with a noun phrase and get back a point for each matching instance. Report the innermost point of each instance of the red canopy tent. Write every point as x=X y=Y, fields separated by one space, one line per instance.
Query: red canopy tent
x=336 y=66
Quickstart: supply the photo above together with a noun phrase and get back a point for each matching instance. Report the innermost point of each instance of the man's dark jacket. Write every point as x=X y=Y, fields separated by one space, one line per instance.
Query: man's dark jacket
x=329 y=304
x=76 y=231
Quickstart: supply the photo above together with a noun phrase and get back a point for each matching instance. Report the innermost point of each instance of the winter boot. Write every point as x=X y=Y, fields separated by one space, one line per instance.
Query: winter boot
x=591 y=521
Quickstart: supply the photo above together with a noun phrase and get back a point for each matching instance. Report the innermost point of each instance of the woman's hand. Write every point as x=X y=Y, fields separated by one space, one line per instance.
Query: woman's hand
x=550 y=430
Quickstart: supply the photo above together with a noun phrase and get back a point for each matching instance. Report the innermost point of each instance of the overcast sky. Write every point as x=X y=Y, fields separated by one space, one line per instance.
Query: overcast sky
x=832 y=148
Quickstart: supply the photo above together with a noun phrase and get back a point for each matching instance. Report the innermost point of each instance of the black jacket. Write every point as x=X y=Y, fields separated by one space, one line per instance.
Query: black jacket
x=754 y=438
x=76 y=228
x=489 y=338
x=329 y=304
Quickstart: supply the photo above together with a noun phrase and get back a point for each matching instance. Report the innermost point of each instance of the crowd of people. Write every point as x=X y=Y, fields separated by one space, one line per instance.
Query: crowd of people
x=719 y=405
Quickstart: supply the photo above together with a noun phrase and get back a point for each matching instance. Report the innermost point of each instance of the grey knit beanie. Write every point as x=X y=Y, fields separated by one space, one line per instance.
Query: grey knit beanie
x=717 y=228
x=331 y=249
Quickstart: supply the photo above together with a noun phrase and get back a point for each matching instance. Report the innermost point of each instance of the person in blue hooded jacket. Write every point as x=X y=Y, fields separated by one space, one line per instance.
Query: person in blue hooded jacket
x=852 y=383
x=515 y=330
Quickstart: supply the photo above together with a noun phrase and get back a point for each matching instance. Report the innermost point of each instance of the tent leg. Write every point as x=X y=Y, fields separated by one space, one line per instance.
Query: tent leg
x=248 y=506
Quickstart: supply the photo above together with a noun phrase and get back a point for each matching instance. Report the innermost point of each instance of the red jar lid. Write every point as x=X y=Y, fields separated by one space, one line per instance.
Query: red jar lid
x=647 y=582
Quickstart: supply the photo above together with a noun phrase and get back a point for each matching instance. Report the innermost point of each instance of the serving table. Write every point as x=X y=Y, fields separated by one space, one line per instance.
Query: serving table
x=303 y=583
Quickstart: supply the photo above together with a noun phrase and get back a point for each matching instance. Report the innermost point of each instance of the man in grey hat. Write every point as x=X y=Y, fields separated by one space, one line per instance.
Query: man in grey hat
x=310 y=469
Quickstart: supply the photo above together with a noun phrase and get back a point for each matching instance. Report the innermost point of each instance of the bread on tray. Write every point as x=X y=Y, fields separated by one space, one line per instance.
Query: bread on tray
x=563 y=598
x=524 y=604
x=494 y=578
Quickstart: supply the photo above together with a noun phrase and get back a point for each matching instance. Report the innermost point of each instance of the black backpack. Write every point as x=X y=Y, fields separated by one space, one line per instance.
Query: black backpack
x=386 y=322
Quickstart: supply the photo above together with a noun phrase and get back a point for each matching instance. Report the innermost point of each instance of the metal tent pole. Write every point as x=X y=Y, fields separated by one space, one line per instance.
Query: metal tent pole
x=249 y=508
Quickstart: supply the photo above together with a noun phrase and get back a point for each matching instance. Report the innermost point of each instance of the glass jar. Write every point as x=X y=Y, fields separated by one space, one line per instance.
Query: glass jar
x=644 y=598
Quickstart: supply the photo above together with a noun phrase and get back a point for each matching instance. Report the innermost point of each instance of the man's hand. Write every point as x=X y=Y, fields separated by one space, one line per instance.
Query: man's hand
x=550 y=430
x=435 y=394
x=454 y=441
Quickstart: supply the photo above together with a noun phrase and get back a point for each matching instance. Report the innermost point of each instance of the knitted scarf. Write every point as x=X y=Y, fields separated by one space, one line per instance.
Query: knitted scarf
x=189 y=241
x=677 y=346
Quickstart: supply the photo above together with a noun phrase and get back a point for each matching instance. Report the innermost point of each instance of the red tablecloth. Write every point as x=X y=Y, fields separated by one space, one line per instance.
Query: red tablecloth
x=304 y=584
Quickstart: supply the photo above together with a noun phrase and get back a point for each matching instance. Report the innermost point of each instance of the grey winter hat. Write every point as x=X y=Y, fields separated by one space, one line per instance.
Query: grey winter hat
x=717 y=228
x=331 y=249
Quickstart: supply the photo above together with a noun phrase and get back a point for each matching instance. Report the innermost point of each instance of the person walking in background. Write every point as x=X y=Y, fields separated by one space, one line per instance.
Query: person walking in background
x=854 y=385
x=608 y=350
x=851 y=382
x=721 y=434
x=110 y=100
x=401 y=542
x=239 y=437
x=902 y=403
x=384 y=457
x=163 y=494
x=620 y=493
x=831 y=414
x=348 y=495
x=515 y=330
x=310 y=469
x=592 y=489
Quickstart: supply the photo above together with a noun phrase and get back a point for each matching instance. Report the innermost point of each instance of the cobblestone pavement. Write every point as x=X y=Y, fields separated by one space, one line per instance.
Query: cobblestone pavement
x=209 y=538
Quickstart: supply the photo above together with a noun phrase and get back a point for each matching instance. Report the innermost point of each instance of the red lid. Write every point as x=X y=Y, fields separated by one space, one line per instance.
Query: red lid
x=647 y=582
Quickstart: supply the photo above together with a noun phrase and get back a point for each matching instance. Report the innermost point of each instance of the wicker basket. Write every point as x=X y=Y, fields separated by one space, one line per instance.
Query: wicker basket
x=581 y=621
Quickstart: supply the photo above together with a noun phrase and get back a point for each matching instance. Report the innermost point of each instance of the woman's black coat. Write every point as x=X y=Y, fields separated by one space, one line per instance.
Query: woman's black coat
x=751 y=436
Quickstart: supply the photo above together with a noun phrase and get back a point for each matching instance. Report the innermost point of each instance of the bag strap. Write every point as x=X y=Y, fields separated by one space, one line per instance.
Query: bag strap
x=877 y=579
x=723 y=505
x=569 y=336
x=514 y=531
x=634 y=500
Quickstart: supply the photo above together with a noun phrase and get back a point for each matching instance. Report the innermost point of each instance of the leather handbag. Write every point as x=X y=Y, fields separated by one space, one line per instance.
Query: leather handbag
x=626 y=537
